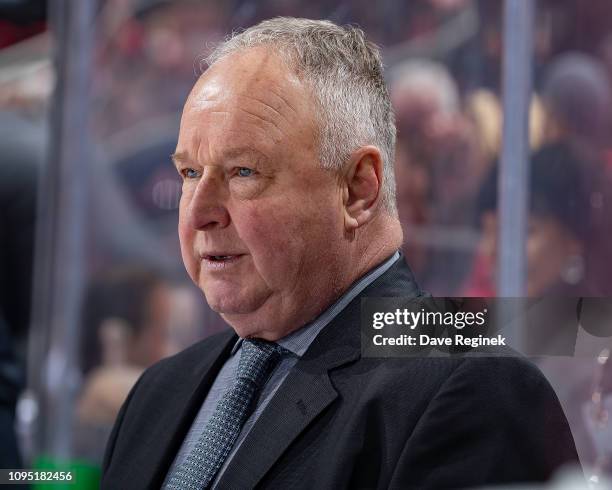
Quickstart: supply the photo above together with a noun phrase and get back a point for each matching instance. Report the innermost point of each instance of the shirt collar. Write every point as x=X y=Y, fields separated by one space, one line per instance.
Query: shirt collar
x=297 y=342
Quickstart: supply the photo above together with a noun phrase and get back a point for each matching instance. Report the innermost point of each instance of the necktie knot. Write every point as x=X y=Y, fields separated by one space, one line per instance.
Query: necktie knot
x=257 y=359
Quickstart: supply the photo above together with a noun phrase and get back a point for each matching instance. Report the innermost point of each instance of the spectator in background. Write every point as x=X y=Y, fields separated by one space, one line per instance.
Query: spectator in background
x=436 y=150
x=557 y=222
x=577 y=96
x=484 y=112
x=128 y=296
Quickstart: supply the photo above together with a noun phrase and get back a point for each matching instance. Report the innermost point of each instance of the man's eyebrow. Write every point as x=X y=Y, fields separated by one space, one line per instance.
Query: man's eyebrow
x=179 y=157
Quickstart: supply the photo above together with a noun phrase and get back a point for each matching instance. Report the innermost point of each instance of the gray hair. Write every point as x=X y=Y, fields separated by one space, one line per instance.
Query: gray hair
x=344 y=71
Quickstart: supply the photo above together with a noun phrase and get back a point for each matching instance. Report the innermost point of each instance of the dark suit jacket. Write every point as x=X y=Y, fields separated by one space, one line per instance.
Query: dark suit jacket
x=343 y=421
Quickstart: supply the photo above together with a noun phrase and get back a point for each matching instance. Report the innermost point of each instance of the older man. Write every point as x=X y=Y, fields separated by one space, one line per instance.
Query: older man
x=287 y=220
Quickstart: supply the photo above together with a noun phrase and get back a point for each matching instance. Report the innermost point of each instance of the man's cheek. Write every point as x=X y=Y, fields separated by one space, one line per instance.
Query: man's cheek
x=186 y=239
x=273 y=241
x=269 y=226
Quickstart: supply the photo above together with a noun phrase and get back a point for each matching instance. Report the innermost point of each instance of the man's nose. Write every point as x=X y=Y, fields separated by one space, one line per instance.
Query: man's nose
x=206 y=208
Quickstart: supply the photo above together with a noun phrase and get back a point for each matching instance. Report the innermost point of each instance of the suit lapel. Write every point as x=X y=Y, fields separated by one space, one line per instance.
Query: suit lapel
x=298 y=401
x=304 y=394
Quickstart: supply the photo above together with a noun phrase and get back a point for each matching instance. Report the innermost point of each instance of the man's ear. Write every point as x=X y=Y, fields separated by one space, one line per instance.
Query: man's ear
x=362 y=182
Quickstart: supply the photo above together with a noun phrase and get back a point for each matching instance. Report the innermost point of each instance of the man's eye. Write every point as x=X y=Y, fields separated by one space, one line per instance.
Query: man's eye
x=244 y=172
x=190 y=173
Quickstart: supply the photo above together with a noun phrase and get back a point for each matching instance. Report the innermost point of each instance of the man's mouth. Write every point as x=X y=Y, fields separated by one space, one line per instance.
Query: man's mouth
x=219 y=259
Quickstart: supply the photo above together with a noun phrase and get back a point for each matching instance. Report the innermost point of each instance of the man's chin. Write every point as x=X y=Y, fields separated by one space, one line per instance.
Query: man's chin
x=225 y=306
x=243 y=329
x=249 y=326
x=249 y=313
x=233 y=303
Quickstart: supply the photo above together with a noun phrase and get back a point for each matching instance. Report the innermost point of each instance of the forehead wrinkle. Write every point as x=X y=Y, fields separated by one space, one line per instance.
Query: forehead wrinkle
x=267 y=107
x=283 y=100
x=232 y=105
x=233 y=153
x=280 y=113
x=246 y=132
x=211 y=137
x=224 y=146
x=265 y=120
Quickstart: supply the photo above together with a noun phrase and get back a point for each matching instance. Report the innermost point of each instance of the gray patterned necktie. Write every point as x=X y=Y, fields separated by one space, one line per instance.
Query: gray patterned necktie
x=199 y=469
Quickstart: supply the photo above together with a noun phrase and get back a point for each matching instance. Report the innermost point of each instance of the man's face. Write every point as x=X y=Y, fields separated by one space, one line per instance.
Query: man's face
x=260 y=224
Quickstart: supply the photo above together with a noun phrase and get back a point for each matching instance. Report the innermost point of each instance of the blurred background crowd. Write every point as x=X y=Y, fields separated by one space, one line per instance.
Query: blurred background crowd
x=444 y=70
